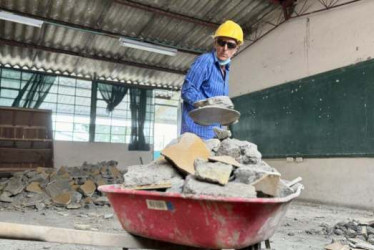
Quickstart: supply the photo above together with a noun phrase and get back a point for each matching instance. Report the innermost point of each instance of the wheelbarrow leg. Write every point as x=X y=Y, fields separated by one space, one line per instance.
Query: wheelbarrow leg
x=267 y=245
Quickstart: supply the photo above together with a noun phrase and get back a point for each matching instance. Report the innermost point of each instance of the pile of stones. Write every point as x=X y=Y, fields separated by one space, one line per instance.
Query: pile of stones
x=355 y=234
x=70 y=187
x=221 y=167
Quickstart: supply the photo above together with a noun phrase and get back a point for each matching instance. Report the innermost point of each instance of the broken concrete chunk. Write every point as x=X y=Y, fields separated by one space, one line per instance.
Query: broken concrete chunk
x=58 y=187
x=225 y=159
x=230 y=148
x=184 y=153
x=213 y=144
x=247 y=175
x=250 y=154
x=88 y=188
x=283 y=189
x=5 y=197
x=216 y=172
x=34 y=187
x=15 y=185
x=157 y=172
x=231 y=189
x=222 y=134
x=336 y=246
x=176 y=186
x=62 y=199
x=267 y=184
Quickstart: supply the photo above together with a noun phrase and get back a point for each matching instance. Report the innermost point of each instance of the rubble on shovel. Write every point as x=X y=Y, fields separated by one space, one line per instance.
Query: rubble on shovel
x=70 y=187
x=221 y=167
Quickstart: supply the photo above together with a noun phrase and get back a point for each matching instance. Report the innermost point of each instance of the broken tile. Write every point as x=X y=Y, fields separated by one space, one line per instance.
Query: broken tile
x=62 y=199
x=216 y=172
x=184 y=153
x=225 y=159
x=58 y=187
x=5 y=197
x=336 y=246
x=15 y=185
x=231 y=189
x=267 y=184
x=34 y=187
x=88 y=188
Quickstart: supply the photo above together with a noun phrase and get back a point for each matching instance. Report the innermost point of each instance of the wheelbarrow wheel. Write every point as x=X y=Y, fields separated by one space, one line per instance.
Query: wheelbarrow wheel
x=253 y=247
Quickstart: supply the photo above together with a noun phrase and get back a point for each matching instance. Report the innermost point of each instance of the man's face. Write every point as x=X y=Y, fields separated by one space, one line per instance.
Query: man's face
x=225 y=47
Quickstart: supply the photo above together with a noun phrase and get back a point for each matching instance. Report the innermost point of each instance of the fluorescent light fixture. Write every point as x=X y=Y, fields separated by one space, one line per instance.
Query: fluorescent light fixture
x=20 y=19
x=147 y=46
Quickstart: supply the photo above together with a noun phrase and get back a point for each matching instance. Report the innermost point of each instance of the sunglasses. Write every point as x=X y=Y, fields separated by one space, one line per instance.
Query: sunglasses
x=229 y=44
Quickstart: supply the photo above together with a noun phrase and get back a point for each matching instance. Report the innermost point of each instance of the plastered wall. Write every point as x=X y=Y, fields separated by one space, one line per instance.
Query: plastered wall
x=304 y=47
x=75 y=153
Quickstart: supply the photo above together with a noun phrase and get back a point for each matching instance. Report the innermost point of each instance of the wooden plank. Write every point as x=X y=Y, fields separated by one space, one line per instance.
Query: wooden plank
x=71 y=236
x=17 y=155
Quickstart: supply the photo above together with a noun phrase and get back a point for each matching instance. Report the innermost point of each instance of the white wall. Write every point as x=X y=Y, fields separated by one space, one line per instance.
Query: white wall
x=303 y=47
x=339 y=181
x=75 y=153
x=306 y=46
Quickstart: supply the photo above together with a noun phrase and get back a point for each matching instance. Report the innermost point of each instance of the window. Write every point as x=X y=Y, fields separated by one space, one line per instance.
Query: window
x=70 y=101
x=115 y=126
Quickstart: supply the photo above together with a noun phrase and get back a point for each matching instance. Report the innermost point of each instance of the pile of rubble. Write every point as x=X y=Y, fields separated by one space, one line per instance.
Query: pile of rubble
x=223 y=167
x=70 y=187
x=357 y=235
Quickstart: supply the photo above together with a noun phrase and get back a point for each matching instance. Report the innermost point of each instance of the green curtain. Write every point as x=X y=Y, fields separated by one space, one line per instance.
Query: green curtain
x=34 y=92
x=112 y=94
x=140 y=105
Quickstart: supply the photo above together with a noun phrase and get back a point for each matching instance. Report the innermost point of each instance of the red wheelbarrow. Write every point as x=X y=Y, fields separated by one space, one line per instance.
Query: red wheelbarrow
x=198 y=220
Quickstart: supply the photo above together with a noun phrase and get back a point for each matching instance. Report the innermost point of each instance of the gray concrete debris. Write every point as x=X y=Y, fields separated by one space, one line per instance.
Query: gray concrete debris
x=62 y=185
x=243 y=151
x=220 y=101
x=247 y=175
x=213 y=144
x=156 y=172
x=5 y=197
x=215 y=172
x=176 y=186
x=222 y=134
x=283 y=190
x=15 y=185
x=232 y=189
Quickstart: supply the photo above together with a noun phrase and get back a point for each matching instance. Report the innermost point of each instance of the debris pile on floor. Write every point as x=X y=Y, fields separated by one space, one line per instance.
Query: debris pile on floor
x=357 y=235
x=70 y=187
x=222 y=167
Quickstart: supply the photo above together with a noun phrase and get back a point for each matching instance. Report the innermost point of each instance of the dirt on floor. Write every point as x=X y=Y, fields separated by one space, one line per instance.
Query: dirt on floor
x=301 y=229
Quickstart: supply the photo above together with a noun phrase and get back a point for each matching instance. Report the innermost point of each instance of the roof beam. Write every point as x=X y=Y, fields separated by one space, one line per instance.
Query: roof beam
x=94 y=57
x=156 y=10
x=95 y=30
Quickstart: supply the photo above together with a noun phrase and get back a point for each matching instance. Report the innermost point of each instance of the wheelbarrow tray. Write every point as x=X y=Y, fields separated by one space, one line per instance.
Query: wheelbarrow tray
x=197 y=220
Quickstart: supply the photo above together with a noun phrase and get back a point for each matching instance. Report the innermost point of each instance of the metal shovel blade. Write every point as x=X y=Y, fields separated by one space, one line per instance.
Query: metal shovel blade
x=212 y=114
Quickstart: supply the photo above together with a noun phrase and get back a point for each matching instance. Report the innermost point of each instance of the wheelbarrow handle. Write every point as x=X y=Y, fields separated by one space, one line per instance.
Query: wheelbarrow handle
x=71 y=236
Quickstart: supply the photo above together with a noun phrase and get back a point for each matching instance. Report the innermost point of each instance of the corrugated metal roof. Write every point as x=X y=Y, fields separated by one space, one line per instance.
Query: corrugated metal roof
x=67 y=47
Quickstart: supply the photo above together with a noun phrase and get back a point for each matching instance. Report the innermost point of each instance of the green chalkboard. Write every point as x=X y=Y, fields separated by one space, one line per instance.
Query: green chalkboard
x=329 y=114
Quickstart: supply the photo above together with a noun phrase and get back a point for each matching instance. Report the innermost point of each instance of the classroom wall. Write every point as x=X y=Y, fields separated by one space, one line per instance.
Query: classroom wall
x=306 y=46
x=75 y=153
x=303 y=47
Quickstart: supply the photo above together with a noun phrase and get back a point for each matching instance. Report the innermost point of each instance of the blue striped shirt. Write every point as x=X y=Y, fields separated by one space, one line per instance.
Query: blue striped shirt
x=203 y=80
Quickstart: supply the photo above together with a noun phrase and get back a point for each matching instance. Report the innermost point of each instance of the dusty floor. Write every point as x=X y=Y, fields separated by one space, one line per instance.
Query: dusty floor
x=299 y=230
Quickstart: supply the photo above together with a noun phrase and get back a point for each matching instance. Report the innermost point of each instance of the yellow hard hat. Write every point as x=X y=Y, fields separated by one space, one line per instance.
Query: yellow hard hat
x=230 y=29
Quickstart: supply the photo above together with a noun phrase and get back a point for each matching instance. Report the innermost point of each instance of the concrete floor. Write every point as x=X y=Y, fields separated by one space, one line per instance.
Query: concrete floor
x=299 y=230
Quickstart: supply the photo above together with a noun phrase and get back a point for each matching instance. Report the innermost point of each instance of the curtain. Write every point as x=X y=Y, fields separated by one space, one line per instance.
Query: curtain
x=140 y=107
x=112 y=94
x=34 y=92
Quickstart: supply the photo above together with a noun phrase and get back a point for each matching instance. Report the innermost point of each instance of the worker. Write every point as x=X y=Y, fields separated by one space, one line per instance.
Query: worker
x=208 y=76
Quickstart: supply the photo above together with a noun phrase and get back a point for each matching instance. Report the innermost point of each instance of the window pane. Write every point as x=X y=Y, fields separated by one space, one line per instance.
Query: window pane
x=102 y=137
x=10 y=83
x=10 y=73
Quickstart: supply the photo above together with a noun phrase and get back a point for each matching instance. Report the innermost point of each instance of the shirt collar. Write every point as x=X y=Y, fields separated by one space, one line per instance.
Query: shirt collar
x=227 y=66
